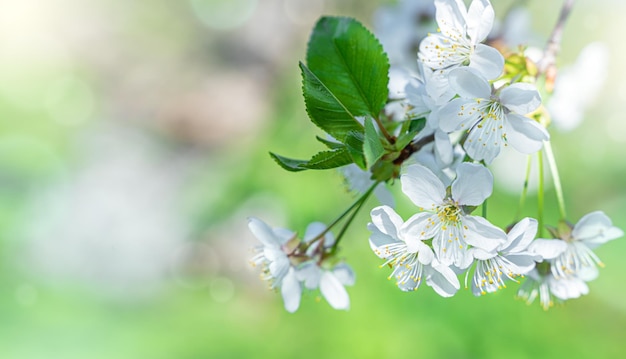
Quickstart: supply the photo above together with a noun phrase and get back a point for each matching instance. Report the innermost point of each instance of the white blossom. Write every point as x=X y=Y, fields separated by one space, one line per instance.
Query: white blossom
x=447 y=220
x=459 y=41
x=272 y=256
x=592 y=230
x=492 y=119
x=412 y=260
x=510 y=260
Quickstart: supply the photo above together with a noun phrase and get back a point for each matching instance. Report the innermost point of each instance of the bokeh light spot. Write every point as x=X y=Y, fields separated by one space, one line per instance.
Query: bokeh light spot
x=223 y=14
x=222 y=289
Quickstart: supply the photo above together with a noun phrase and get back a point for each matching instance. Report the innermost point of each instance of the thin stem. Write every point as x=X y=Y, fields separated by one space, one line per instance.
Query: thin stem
x=388 y=136
x=522 y=199
x=556 y=178
x=553 y=45
x=485 y=209
x=351 y=218
x=540 y=195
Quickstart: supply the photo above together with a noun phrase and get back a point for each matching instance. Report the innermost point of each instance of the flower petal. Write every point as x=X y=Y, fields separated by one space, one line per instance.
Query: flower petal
x=568 y=288
x=473 y=184
x=547 y=248
x=480 y=16
x=482 y=234
x=309 y=273
x=487 y=61
x=524 y=261
x=450 y=15
x=595 y=228
x=520 y=236
x=455 y=115
x=344 y=274
x=419 y=226
x=524 y=134
x=386 y=220
x=469 y=84
x=422 y=187
x=443 y=147
x=263 y=232
x=443 y=280
x=334 y=292
x=291 y=291
x=521 y=98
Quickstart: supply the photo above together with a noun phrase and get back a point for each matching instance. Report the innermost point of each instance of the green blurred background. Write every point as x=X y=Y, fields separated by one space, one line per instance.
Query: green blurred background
x=133 y=145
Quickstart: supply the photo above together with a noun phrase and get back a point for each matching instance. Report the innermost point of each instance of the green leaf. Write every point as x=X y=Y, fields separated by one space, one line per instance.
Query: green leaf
x=351 y=63
x=321 y=161
x=288 y=163
x=372 y=147
x=329 y=159
x=414 y=127
x=324 y=109
x=330 y=144
x=354 y=146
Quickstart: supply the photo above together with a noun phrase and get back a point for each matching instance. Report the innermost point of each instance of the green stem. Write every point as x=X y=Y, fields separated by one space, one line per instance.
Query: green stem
x=343 y=230
x=485 y=209
x=356 y=203
x=556 y=178
x=388 y=136
x=522 y=199
x=540 y=195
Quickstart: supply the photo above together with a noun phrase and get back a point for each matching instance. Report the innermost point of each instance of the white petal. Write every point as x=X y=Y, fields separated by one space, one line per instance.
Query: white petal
x=588 y=273
x=344 y=274
x=547 y=248
x=419 y=226
x=443 y=147
x=443 y=280
x=291 y=291
x=456 y=115
x=482 y=254
x=520 y=236
x=482 y=234
x=263 y=232
x=386 y=220
x=313 y=230
x=568 y=288
x=334 y=292
x=279 y=266
x=422 y=187
x=425 y=254
x=525 y=262
x=524 y=134
x=473 y=184
x=469 y=84
x=596 y=228
x=521 y=98
x=480 y=16
x=310 y=274
x=450 y=15
x=487 y=61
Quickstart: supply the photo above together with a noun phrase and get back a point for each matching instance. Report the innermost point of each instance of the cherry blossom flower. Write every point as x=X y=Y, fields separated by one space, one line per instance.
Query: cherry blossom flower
x=412 y=260
x=447 y=220
x=510 y=260
x=592 y=230
x=459 y=41
x=492 y=119
x=277 y=268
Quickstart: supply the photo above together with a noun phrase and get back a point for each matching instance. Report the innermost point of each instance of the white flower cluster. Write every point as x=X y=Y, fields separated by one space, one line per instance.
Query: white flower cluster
x=462 y=97
x=289 y=264
x=570 y=260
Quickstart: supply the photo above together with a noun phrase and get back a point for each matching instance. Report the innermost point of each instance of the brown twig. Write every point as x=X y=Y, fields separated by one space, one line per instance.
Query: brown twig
x=553 y=47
